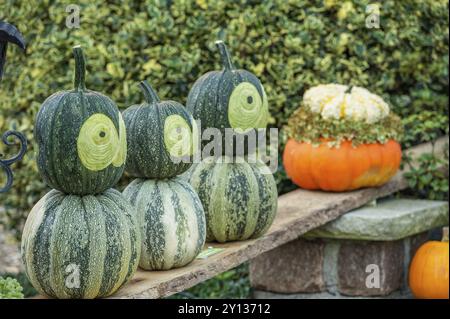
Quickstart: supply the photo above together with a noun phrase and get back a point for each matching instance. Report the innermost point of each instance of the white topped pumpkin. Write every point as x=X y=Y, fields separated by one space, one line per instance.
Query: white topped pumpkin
x=335 y=101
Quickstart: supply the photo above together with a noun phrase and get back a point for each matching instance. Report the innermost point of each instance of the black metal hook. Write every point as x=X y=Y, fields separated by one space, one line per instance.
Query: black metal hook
x=5 y=163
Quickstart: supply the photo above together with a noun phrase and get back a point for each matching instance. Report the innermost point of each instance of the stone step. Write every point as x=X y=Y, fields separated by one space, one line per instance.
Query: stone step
x=363 y=253
x=388 y=220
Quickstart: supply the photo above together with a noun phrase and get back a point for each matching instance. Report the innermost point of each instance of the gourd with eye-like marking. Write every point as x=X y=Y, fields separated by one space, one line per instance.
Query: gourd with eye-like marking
x=229 y=98
x=81 y=138
x=81 y=240
x=160 y=137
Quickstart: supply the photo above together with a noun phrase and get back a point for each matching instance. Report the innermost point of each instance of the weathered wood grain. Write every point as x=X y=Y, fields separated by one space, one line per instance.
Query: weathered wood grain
x=298 y=212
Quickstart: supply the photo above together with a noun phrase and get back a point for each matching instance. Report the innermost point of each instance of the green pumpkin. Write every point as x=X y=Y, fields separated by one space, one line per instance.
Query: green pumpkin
x=171 y=219
x=239 y=199
x=160 y=137
x=229 y=98
x=80 y=246
x=81 y=138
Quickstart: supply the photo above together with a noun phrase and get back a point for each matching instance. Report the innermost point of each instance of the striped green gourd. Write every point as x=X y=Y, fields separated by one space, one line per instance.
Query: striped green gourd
x=81 y=138
x=80 y=246
x=230 y=98
x=171 y=219
x=239 y=199
x=160 y=137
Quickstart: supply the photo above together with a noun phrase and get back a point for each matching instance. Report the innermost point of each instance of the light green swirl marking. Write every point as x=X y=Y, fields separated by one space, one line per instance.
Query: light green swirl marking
x=97 y=142
x=246 y=109
x=177 y=136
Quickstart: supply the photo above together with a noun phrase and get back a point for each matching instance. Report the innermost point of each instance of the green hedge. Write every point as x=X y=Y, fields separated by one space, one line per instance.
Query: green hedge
x=290 y=45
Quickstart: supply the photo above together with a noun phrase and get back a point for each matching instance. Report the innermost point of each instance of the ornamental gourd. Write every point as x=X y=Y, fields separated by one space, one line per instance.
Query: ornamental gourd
x=429 y=272
x=342 y=138
x=239 y=199
x=160 y=137
x=171 y=220
x=81 y=138
x=231 y=98
x=341 y=101
x=80 y=246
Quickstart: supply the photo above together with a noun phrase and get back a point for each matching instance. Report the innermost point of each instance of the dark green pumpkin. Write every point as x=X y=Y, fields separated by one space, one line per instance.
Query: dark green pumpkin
x=229 y=98
x=81 y=138
x=159 y=137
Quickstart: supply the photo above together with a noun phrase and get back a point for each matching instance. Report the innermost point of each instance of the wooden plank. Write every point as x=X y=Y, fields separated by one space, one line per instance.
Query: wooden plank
x=298 y=212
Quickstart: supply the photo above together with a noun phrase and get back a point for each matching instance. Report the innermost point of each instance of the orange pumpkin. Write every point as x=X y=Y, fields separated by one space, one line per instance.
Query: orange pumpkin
x=341 y=168
x=428 y=273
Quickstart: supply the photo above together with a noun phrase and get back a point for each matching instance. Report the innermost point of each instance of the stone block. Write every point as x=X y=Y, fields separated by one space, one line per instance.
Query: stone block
x=290 y=268
x=336 y=267
x=367 y=268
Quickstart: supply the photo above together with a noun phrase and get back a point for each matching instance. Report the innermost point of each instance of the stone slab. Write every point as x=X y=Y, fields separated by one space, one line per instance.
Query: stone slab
x=389 y=220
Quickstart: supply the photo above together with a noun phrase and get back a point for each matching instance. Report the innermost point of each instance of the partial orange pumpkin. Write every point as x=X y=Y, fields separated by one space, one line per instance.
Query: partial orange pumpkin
x=341 y=168
x=428 y=273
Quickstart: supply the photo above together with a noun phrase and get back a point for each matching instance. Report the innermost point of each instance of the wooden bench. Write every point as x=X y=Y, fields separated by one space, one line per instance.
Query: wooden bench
x=298 y=212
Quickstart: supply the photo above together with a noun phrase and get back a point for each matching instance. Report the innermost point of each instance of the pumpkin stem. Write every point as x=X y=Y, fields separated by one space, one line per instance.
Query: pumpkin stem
x=80 y=69
x=445 y=234
x=349 y=90
x=150 y=94
x=224 y=55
